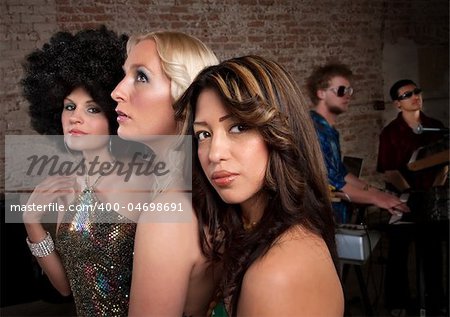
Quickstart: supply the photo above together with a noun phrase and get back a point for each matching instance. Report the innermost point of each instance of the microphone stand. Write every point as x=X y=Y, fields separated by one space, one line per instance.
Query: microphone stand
x=419 y=129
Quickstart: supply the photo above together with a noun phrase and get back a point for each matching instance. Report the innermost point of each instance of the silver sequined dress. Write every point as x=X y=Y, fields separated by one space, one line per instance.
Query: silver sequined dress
x=96 y=248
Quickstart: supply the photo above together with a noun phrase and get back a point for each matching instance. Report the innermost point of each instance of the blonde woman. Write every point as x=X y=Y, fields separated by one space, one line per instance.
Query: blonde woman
x=171 y=274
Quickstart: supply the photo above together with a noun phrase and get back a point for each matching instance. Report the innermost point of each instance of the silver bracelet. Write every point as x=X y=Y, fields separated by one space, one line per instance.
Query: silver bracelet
x=43 y=248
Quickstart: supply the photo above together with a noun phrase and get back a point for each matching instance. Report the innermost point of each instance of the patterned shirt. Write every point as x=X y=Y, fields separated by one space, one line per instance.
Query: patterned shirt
x=331 y=150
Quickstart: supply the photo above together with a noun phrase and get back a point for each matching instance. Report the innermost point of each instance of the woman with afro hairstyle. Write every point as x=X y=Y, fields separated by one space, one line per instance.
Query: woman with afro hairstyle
x=260 y=180
x=68 y=83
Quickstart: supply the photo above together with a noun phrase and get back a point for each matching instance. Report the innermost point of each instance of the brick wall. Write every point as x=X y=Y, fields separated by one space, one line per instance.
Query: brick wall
x=298 y=34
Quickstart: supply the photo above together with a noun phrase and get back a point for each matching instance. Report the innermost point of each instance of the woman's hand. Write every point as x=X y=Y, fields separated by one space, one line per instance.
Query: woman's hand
x=50 y=190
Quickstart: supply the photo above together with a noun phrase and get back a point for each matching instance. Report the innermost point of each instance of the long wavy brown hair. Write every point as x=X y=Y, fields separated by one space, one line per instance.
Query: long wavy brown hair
x=263 y=95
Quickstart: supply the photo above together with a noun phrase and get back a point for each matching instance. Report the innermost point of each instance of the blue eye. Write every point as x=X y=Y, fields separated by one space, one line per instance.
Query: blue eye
x=202 y=135
x=141 y=77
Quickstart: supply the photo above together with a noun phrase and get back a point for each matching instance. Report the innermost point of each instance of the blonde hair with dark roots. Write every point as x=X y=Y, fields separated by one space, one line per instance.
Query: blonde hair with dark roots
x=263 y=95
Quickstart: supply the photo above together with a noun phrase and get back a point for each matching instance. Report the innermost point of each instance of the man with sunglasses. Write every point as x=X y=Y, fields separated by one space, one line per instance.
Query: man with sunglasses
x=400 y=138
x=330 y=91
x=398 y=141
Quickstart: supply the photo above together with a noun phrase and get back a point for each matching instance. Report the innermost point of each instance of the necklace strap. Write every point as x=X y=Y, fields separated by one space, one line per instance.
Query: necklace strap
x=86 y=181
x=86 y=178
x=248 y=226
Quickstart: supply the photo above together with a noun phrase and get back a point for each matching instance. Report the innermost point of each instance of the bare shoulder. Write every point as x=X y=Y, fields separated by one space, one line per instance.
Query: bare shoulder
x=167 y=262
x=298 y=274
x=169 y=224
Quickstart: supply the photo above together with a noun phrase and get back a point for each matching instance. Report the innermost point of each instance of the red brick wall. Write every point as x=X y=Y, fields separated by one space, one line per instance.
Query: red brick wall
x=298 y=34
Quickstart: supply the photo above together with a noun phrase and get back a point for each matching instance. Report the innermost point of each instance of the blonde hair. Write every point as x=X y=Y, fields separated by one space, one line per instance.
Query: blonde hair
x=182 y=56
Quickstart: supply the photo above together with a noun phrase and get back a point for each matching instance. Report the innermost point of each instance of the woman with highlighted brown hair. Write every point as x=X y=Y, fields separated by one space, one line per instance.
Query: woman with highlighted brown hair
x=260 y=180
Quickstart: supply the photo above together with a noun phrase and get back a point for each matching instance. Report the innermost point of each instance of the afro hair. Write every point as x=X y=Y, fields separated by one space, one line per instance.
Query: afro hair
x=91 y=59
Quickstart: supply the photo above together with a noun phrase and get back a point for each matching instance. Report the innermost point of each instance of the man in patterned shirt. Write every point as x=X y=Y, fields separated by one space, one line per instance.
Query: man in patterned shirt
x=330 y=91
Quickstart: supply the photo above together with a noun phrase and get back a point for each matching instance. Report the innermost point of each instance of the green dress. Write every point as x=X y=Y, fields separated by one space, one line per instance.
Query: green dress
x=219 y=310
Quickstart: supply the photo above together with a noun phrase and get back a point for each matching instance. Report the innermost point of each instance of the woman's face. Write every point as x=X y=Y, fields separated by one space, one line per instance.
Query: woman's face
x=84 y=123
x=233 y=156
x=143 y=96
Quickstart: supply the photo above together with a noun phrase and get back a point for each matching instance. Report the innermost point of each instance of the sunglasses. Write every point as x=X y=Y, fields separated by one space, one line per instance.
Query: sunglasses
x=341 y=91
x=409 y=94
